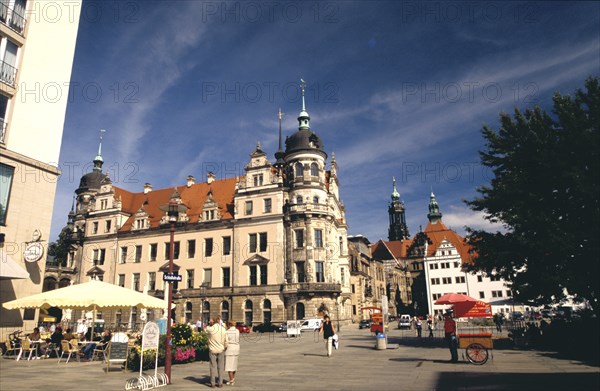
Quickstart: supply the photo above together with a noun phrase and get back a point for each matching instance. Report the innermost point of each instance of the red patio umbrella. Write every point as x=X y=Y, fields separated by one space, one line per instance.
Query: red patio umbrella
x=453 y=298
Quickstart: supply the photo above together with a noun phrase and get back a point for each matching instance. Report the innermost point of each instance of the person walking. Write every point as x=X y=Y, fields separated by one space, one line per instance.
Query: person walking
x=328 y=333
x=419 y=324
x=450 y=334
x=217 y=343
x=430 y=325
x=232 y=352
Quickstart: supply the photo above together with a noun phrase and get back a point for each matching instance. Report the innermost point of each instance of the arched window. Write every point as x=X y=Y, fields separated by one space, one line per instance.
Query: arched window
x=205 y=312
x=299 y=170
x=64 y=282
x=315 y=200
x=49 y=284
x=314 y=169
x=248 y=313
x=188 y=311
x=299 y=200
x=225 y=311
x=267 y=311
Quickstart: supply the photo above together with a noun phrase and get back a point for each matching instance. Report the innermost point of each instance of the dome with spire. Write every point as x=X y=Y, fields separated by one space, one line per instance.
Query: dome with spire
x=93 y=180
x=304 y=139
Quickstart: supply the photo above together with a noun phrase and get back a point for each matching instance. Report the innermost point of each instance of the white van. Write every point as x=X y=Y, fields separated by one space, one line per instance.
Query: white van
x=404 y=321
x=313 y=324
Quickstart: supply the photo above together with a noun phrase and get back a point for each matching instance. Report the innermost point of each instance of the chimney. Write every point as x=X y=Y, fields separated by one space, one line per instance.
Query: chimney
x=190 y=181
x=147 y=188
x=210 y=177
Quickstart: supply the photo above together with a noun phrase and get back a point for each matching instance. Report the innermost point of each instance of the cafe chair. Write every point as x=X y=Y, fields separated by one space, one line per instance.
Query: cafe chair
x=69 y=349
x=12 y=347
x=27 y=346
x=101 y=350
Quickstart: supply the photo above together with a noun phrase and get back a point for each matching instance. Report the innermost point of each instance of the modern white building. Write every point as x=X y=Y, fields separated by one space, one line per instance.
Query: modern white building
x=37 y=48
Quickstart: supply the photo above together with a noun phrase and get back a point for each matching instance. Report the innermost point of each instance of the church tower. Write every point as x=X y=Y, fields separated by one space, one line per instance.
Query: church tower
x=434 y=214
x=398 y=229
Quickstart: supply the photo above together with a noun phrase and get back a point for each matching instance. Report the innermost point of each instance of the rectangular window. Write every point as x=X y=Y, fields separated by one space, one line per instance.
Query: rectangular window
x=481 y=295
x=343 y=275
x=108 y=225
x=263 y=274
x=457 y=264
x=258 y=179
x=433 y=266
x=263 y=241
x=319 y=271
x=494 y=277
x=152 y=281
x=496 y=293
x=207 y=281
x=299 y=238
x=248 y=209
x=191 y=248
x=446 y=280
x=95 y=227
x=460 y=279
x=253 y=272
x=226 y=245
x=190 y=279
x=138 y=254
x=226 y=277
x=479 y=278
x=175 y=250
x=319 y=238
x=435 y=281
x=167 y=250
x=252 y=243
x=153 y=251
x=508 y=293
x=98 y=256
x=353 y=288
x=121 y=280
x=436 y=296
x=300 y=276
x=267 y=205
x=6 y=177
x=124 y=254
x=208 y=247
x=136 y=282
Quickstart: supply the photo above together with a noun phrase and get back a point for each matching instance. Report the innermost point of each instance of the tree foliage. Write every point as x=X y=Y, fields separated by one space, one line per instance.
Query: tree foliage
x=60 y=249
x=545 y=191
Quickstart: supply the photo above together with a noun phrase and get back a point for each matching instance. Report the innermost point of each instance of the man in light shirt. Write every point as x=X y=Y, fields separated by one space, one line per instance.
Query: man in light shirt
x=217 y=343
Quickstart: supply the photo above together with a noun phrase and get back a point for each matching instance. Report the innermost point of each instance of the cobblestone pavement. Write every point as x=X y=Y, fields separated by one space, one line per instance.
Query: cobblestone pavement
x=274 y=362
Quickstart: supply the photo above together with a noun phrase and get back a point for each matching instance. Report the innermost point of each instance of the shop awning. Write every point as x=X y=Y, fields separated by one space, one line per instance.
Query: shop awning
x=9 y=269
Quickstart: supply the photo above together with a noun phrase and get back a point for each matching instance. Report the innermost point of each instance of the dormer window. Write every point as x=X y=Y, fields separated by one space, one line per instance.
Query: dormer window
x=258 y=180
x=103 y=204
x=140 y=223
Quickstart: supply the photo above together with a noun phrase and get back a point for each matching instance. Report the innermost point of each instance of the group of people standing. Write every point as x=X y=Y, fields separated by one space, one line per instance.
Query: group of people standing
x=223 y=351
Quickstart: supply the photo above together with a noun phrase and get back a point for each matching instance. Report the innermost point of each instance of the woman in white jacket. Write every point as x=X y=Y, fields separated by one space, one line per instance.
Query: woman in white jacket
x=233 y=351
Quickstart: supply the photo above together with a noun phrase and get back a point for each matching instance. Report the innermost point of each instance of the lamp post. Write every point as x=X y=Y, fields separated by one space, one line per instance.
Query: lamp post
x=173 y=208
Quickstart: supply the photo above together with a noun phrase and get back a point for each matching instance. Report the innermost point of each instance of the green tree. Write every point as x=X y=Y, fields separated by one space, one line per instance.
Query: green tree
x=545 y=192
x=60 y=249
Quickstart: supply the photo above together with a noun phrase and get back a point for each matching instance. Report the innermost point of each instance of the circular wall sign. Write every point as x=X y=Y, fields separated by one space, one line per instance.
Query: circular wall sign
x=33 y=252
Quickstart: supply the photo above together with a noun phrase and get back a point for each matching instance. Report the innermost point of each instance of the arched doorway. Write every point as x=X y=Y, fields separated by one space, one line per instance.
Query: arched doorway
x=64 y=282
x=248 y=313
x=49 y=284
x=299 y=311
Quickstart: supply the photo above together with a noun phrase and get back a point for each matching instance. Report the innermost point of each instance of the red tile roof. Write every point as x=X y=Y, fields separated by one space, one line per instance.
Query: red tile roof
x=438 y=232
x=193 y=197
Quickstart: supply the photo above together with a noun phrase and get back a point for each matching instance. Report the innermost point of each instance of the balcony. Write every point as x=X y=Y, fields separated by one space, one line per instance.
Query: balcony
x=308 y=207
x=312 y=287
x=8 y=73
x=12 y=19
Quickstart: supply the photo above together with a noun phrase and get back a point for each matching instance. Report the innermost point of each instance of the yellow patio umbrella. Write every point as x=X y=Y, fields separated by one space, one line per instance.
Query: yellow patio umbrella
x=93 y=295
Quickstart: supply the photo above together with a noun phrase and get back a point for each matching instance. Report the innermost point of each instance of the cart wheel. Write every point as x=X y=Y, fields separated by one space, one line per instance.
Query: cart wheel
x=477 y=354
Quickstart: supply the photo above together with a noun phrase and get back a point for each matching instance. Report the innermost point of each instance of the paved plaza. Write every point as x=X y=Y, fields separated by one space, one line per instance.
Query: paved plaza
x=274 y=362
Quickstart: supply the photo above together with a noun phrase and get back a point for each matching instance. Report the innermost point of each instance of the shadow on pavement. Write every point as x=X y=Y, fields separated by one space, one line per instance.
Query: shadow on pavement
x=518 y=381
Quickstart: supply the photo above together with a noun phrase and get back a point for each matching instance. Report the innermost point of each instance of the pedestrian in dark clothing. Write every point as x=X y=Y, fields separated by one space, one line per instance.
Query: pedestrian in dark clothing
x=430 y=325
x=419 y=327
x=328 y=333
x=450 y=334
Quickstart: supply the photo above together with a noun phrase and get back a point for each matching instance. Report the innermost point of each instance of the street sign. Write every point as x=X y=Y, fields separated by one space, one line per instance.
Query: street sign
x=172 y=277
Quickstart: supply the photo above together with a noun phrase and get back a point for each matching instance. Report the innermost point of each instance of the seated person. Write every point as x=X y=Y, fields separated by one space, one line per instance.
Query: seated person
x=36 y=336
x=88 y=350
x=55 y=339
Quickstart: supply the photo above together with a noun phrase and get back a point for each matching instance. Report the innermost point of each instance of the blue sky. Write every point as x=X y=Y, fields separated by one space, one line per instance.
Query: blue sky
x=393 y=88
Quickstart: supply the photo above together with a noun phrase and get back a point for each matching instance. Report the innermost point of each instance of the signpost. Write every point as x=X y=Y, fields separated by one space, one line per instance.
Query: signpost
x=172 y=277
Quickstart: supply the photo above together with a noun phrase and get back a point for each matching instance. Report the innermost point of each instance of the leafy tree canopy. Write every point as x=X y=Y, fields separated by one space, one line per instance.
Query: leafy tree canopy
x=60 y=249
x=546 y=193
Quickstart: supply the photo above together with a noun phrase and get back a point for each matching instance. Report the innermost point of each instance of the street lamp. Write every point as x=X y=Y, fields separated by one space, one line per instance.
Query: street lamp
x=173 y=208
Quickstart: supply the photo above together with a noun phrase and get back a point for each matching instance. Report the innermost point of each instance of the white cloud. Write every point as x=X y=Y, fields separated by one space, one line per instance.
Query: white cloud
x=460 y=216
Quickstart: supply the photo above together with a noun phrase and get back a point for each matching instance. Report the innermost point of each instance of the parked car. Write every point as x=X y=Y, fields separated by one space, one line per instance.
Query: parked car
x=364 y=324
x=517 y=315
x=282 y=328
x=311 y=324
x=242 y=328
x=404 y=321
x=265 y=328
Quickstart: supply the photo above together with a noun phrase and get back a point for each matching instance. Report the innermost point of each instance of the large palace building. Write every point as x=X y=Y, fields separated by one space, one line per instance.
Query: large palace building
x=269 y=245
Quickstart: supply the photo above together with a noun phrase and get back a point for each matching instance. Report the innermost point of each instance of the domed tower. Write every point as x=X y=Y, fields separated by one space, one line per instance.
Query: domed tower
x=315 y=227
x=90 y=183
x=398 y=229
x=434 y=214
